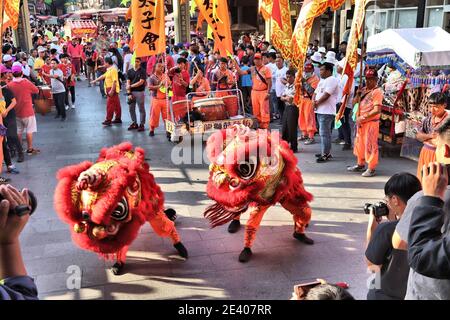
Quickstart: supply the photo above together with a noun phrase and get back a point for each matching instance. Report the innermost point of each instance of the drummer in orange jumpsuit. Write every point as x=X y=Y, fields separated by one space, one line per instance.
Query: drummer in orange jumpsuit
x=200 y=85
x=262 y=82
x=307 y=118
x=158 y=86
x=368 y=126
x=223 y=79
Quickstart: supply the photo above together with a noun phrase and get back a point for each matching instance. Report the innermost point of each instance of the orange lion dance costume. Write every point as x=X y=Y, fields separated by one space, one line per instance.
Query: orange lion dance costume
x=107 y=202
x=250 y=171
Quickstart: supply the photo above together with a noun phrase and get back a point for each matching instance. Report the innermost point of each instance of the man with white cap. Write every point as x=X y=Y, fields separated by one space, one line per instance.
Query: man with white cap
x=7 y=61
x=40 y=60
x=322 y=52
x=330 y=57
x=55 y=45
x=316 y=60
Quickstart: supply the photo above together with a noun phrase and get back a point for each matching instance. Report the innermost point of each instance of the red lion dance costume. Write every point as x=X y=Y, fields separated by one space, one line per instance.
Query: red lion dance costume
x=107 y=202
x=250 y=171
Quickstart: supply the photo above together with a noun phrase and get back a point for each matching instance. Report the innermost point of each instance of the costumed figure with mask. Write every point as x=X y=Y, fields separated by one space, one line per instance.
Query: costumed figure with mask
x=106 y=203
x=251 y=171
x=307 y=118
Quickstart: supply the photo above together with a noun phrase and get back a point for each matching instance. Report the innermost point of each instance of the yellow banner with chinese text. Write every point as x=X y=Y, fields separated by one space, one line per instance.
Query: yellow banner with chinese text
x=149 y=29
x=216 y=14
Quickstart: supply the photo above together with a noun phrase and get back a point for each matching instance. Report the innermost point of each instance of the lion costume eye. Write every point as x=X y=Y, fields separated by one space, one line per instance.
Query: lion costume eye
x=121 y=211
x=247 y=169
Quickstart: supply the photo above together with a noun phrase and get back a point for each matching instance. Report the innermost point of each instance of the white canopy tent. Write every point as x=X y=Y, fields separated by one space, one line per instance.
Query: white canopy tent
x=425 y=47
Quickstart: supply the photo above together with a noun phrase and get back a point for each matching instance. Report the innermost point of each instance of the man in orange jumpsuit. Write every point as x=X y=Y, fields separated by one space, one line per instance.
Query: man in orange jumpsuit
x=368 y=126
x=262 y=82
x=223 y=79
x=158 y=86
x=307 y=118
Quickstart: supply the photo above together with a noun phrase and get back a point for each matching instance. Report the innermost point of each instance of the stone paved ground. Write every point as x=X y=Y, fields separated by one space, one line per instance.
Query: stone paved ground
x=212 y=271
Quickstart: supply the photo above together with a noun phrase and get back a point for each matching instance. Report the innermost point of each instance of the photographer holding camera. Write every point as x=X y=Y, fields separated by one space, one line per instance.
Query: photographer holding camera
x=15 y=210
x=381 y=255
x=421 y=284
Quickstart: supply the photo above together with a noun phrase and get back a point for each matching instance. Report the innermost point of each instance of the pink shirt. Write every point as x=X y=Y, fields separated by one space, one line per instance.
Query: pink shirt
x=22 y=90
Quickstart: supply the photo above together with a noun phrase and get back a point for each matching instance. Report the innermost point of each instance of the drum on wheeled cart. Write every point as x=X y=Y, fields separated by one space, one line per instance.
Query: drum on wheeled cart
x=43 y=103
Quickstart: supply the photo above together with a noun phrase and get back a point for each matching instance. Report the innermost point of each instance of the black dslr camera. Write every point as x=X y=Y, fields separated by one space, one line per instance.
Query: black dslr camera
x=379 y=209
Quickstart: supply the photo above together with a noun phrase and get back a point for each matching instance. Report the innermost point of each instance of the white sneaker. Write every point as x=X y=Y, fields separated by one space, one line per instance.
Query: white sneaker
x=368 y=173
x=67 y=108
x=73 y=106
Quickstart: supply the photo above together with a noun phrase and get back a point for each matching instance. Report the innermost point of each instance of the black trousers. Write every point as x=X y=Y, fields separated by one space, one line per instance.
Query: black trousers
x=246 y=95
x=59 y=98
x=345 y=129
x=72 y=93
x=6 y=154
x=11 y=135
x=281 y=107
x=289 y=126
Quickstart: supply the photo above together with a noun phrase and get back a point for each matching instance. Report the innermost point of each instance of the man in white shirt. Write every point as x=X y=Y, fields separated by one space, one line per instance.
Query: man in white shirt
x=127 y=59
x=280 y=83
x=274 y=109
x=289 y=120
x=324 y=101
x=56 y=46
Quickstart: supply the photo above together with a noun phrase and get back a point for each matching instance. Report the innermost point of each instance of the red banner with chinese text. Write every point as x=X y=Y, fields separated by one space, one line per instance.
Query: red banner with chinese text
x=149 y=27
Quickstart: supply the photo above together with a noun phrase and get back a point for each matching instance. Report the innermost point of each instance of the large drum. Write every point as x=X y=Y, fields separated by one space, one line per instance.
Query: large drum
x=180 y=109
x=44 y=101
x=231 y=105
x=212 y=109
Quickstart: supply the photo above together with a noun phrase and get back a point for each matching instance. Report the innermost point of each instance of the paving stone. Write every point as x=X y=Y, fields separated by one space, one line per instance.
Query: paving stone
x=212 y=271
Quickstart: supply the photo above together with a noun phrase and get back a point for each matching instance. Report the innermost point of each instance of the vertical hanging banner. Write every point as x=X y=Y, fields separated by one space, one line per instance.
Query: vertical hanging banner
x=9 y=9
x=215 y=12
x=265 y=8
x=282 y=28
x=149 y=35
x=310 y=10
x=351 y=58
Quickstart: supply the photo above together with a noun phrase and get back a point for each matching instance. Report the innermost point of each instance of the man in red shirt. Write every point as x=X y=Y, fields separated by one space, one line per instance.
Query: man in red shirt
x=22 y=90
x=69 y=71
x=75 y=52
x=46 y=69
x=153 y=60
x=180 y=80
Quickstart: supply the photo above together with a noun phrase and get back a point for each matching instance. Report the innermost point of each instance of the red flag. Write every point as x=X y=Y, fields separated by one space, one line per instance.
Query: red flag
x=276 y=13
x=351 y=57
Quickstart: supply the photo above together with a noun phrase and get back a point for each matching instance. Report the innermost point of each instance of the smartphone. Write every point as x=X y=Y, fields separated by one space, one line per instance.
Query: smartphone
x=301 y=290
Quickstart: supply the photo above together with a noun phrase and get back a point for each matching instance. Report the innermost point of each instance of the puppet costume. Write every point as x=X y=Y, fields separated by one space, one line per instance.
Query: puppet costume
x=250 y=171
x=108 y=201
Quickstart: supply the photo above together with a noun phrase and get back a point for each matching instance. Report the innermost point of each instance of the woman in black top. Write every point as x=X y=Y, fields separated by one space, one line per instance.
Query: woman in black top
x=389 y=264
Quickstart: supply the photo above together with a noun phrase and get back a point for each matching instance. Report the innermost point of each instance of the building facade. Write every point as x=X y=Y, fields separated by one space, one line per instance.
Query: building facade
x=397 y=14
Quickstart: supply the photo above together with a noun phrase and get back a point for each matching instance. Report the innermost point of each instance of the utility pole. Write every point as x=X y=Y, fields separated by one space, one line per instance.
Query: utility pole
x=23 y=32
x=421 y=14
